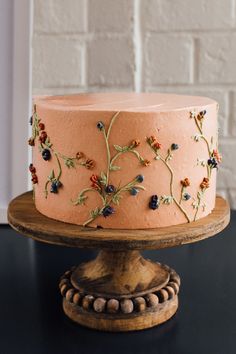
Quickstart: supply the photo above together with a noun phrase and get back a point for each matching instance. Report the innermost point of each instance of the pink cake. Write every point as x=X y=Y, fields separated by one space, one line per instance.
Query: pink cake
x=124 y=160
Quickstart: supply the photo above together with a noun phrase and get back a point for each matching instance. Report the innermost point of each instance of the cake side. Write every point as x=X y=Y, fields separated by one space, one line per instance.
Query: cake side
x=150 y=163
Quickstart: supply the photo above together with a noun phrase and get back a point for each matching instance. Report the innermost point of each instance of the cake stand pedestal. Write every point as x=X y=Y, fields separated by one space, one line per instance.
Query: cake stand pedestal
x=119 y=290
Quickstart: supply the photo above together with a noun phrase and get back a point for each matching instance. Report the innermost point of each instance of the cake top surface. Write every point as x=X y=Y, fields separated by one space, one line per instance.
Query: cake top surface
x=130 y=102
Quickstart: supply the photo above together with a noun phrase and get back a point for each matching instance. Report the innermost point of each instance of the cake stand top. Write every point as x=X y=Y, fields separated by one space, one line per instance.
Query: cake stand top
x=24 y=218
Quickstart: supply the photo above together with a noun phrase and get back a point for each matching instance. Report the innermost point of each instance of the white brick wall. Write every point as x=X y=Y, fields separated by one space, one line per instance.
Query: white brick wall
x=182 y=46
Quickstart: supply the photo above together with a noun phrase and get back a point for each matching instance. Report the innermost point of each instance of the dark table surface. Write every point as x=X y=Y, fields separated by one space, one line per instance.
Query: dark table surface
x=32 y=320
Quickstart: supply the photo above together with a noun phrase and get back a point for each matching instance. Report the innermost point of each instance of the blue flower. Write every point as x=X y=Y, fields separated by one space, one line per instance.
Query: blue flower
x=107 y=211
x=174 y=147
x=46 y=154
x=154 y=202
x=140 y=178
x=100 y=125
x=212 y=162
x=110 y=189
x=186 y=196
x=54 y=188
x=134 y=191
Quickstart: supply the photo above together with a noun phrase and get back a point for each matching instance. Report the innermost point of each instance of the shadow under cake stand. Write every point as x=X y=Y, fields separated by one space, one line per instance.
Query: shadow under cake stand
x=119 y=290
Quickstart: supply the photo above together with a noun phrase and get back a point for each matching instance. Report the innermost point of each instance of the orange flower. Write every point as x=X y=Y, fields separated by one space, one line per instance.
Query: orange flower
x=79 y=155
x=185 y=182
x=89 y=164
x=94 y=178
x=146 y=163
x=32 y=169
x=201 y=115
x=152 y=140
x=31 y=141
x=205 y=183
x=135 y=143
x=41 y=126
x=34 y=179
x=43 y=137
x=156 y=145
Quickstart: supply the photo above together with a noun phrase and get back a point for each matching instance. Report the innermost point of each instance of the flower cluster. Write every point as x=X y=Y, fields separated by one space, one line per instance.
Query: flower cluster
x=214 y=159
x=109 y=194
x=46 y=149
x=201 y=115
x=185 y=182
x=154 y=202
x=154 y=143
x=34 y=177
x=184 y=195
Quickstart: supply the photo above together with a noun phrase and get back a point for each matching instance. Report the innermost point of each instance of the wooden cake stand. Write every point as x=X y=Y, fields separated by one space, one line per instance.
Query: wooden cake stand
x=119 y=290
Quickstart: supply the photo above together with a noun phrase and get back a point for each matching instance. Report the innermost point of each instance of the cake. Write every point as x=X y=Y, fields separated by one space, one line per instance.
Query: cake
x=124 y=160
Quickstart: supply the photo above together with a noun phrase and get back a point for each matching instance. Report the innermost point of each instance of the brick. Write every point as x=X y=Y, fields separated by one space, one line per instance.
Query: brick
x=110 y=15
x=217 y=59
x=186 y=15
x=168 y=60
x=110 y=62
x=227 y=170
x=56 y=62
x=59 y=16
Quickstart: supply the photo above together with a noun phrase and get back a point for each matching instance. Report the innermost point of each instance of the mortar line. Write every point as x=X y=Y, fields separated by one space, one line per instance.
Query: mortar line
x=137 y=40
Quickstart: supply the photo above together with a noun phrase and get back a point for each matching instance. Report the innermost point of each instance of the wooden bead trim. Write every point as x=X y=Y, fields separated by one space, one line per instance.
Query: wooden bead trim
x=126 y=306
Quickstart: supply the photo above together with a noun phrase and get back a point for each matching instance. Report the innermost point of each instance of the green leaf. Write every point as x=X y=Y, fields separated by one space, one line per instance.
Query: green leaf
x=114 y=168
x=118 y=148
x=116 y=199
x=51 y=176
x=94 y=213
x=69 y=163
x=103 y=179
x=47 y=142
x=167 y=199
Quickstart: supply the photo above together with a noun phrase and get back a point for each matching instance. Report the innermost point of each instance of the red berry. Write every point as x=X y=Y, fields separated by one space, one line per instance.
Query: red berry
x=41 y=126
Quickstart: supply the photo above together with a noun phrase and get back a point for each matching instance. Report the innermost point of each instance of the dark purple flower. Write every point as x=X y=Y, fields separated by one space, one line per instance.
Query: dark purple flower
x=107 y=211
x=110 y=189
x=154 y=202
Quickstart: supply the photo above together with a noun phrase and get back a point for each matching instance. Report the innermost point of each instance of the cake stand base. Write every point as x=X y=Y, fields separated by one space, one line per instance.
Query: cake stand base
x=120 y=291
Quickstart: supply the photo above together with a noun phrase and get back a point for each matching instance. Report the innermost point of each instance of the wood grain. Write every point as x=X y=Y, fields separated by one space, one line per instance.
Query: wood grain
x=122 y=322
x=23 y=217
x=119 y=275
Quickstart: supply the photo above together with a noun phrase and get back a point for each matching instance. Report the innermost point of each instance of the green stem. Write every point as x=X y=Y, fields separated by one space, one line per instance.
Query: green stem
x=59 y=166
x=106 y=136
x=108 y=157
x=198 y=204
x=134 y=152
x=85 y=190
x=111 y=123
x=182 y=192
x=171 y=188
x=89 y=221
x=202 y=136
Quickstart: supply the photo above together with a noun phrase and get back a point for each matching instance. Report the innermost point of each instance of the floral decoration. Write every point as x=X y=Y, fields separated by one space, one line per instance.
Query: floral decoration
x=212 y=162
x=155 y=201
x=47 y=151
x=109 y=194
x=32 y=170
